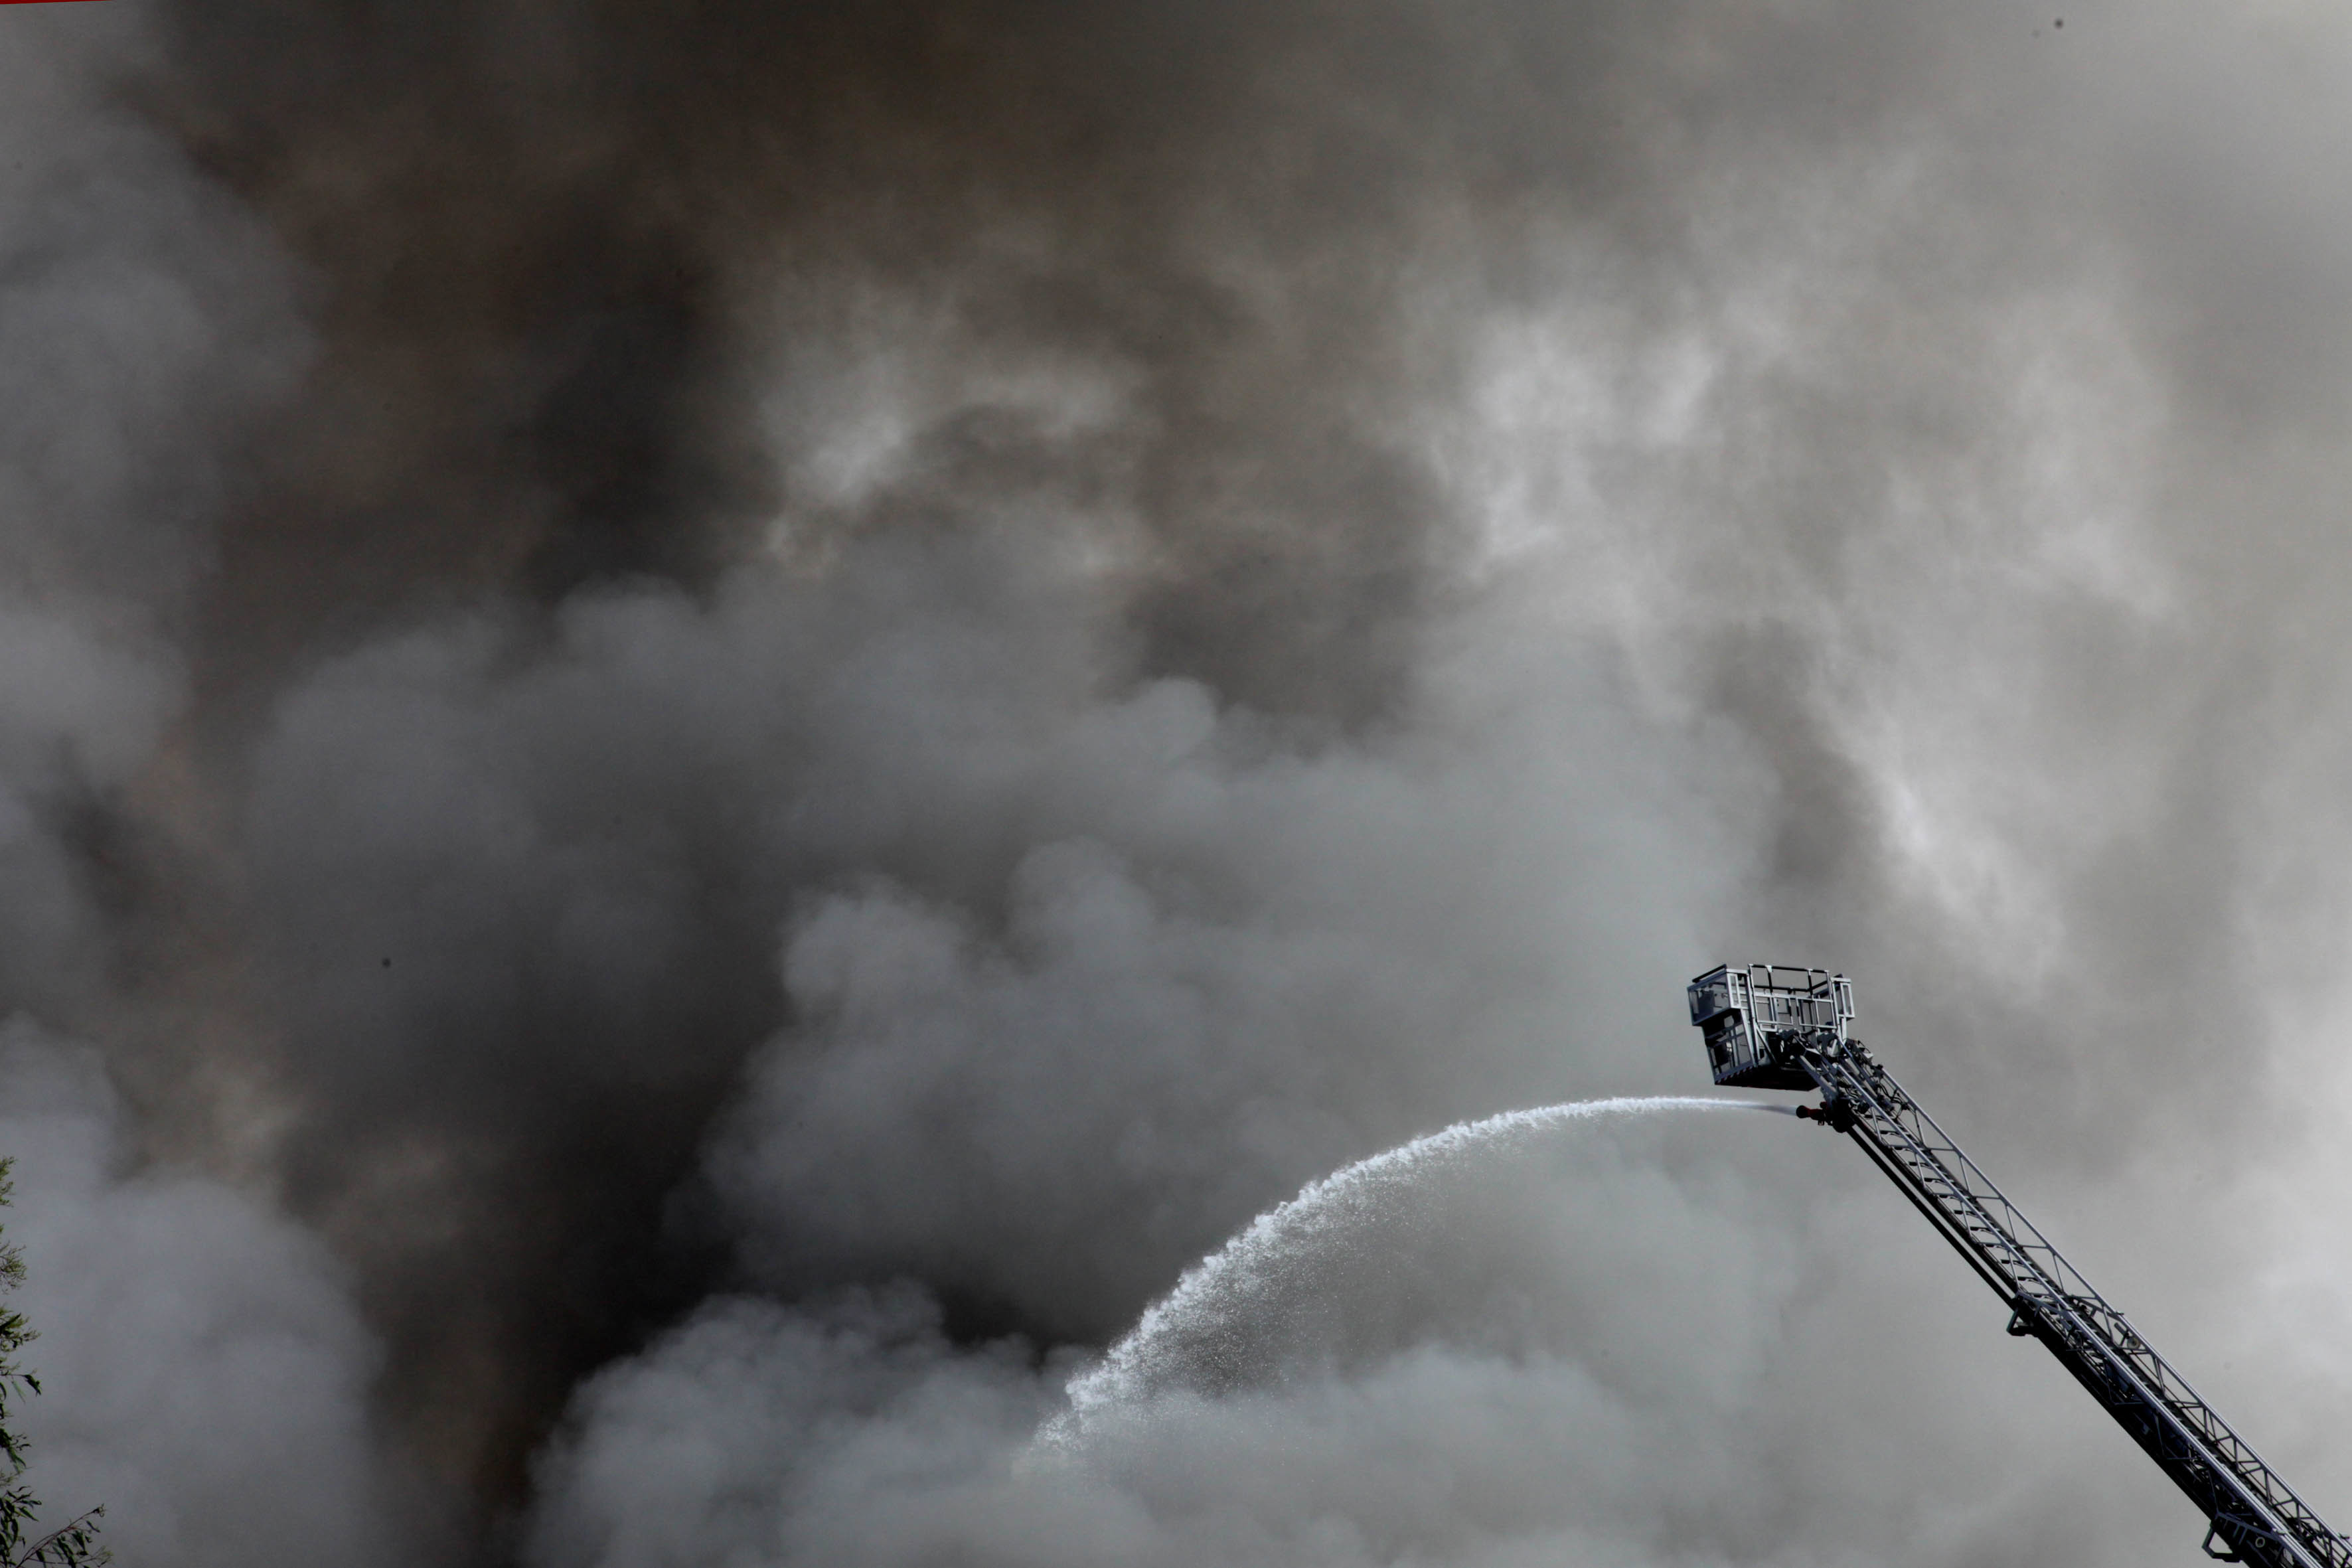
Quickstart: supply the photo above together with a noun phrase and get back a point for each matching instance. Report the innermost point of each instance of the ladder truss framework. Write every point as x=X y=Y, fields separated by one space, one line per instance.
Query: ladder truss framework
x=1794 y=1022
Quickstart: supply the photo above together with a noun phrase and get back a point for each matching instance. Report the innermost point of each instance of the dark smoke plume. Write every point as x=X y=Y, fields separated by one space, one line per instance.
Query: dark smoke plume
x=717 y=719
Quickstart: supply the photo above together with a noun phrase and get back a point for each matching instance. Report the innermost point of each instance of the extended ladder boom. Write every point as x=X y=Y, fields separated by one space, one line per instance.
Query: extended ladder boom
x=1795 y=1035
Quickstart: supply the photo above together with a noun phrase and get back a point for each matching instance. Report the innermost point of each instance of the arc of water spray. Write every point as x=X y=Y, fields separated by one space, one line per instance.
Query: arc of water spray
x=1128 y=1369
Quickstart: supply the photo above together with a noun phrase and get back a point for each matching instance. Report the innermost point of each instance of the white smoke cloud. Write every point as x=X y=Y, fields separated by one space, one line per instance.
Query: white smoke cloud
x=204 y=1371
x=1645 y=1374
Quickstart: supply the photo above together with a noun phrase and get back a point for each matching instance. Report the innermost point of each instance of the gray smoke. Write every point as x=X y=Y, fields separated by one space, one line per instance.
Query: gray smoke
x=720 y=720
x=206 y=1374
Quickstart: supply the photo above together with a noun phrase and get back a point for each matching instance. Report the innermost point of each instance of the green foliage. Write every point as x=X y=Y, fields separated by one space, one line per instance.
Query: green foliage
x=73 y=1544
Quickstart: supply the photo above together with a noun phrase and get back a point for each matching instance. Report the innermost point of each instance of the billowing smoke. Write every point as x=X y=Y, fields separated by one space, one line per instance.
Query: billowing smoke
x=717 y=720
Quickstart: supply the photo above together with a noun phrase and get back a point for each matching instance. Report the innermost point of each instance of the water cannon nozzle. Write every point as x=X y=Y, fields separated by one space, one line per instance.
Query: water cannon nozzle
x=1833 y=1113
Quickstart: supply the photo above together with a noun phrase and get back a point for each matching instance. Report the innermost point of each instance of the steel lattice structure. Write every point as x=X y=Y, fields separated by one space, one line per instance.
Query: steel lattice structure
x=1774 y=1027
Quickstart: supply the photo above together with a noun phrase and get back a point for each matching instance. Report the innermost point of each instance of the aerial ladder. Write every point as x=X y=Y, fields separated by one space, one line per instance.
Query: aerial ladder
x=1768 y=1027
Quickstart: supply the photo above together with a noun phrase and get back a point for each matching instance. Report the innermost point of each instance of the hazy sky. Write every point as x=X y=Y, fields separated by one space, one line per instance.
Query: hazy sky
x=718 y=719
